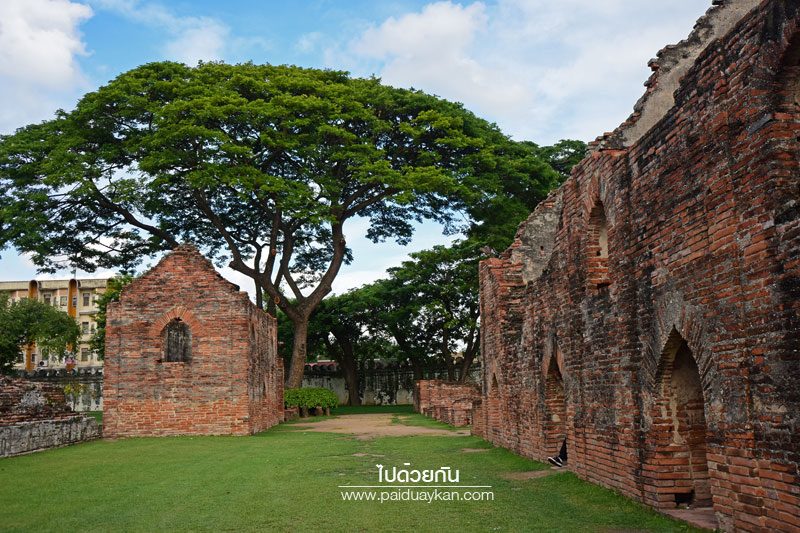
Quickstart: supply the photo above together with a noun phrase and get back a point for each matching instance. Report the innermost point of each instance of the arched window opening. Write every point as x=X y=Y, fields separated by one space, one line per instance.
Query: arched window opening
x=177 y=341
x=597 y=247
x=678 y=435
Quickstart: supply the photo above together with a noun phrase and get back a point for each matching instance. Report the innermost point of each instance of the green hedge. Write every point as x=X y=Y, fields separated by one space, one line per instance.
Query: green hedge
x=310 y=397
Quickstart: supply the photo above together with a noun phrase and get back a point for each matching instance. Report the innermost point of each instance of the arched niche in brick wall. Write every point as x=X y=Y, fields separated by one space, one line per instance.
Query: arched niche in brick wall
x=554 y=423
x=675 y=470
x=597 y=247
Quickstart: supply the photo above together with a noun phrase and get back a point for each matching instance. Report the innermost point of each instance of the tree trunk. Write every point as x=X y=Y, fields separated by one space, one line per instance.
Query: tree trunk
x=349 y=366
x=351 y=378
x=297 y=365
x=416 y=367
x=469 y=356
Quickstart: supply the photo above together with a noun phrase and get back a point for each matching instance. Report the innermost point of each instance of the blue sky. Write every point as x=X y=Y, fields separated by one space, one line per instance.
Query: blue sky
x=543 y=70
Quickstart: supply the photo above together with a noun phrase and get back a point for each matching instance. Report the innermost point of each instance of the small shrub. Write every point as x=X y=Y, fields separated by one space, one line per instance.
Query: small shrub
x=310 y=397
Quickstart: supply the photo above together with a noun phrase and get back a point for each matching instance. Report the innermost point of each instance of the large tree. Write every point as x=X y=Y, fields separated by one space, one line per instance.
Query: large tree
x=261 y=166
x=25 y=322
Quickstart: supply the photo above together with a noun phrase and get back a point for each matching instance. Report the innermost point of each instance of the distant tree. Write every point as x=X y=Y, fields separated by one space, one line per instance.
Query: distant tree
x=261 y=166
x=428 y=306
x=111 y=294
x=528 y=177
x=562 y=156
x=29 y=321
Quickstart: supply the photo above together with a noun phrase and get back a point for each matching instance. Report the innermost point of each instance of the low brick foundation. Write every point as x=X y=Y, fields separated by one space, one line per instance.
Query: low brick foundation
x=451 y=403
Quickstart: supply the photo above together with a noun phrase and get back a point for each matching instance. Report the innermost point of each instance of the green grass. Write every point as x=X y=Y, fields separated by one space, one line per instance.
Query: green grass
x=286 y=479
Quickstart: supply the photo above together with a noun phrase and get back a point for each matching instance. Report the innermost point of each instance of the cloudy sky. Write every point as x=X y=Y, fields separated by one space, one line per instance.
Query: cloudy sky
x=543 y=70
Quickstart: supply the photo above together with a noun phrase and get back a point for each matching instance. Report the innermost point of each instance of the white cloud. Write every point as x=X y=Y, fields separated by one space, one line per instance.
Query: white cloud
x=40 y=43
x=542 y=70
x=190 y=38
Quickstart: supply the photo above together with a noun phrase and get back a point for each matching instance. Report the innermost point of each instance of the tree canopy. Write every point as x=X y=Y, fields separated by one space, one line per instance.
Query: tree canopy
x=27 y=321
x=260 y=166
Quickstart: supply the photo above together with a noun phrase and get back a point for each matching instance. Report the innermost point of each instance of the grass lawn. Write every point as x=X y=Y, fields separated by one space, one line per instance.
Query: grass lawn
x=286 y=479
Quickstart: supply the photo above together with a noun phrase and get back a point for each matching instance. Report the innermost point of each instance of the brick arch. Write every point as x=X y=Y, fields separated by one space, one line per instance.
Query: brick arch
x=672 y=313
x=552 y=352
x=178 y=312
x=553 y=400
x=675 y=464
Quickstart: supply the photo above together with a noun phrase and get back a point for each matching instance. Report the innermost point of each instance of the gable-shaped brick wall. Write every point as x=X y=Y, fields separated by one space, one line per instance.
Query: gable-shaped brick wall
x=233 y=381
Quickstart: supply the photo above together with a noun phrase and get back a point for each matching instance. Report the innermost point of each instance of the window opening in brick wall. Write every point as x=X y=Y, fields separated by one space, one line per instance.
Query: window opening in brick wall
x=177 y=341
x=597 y=249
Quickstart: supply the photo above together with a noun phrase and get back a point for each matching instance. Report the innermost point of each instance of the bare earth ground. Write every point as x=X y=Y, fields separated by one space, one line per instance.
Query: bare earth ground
x=365 y=427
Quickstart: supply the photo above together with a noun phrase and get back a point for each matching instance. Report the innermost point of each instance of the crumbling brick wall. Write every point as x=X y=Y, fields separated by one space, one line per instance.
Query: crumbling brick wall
x=231 y=381
x=678 y=354
x=448 y=402
x=35 y=416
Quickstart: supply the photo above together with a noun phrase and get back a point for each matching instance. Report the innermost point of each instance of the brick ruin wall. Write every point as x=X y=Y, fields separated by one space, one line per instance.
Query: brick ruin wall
x=649 y=310
x=451 y=403
x=232 y=382
x=35 y=416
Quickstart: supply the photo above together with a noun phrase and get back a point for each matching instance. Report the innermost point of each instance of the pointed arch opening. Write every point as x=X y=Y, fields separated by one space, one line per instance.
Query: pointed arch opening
x=555 y=408
x=677 y=462
x=597 y=247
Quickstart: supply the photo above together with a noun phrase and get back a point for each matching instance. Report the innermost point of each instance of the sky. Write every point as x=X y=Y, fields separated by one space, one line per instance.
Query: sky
x=542 y=70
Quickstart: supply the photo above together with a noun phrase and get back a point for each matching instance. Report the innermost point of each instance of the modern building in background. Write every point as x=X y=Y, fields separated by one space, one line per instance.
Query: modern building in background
x=76 y=297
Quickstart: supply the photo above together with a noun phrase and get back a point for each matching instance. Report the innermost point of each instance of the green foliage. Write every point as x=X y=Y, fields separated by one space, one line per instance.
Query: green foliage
x=309 y=397
x=73 y=391
x=113 y=290
x=28 y=321
x=261 y=166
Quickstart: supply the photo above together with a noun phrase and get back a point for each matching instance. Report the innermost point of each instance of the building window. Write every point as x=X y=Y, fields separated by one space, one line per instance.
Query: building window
x=177 y=341
x=84 y=328
x=63 y=301
x=86 y=297
x=74 y=301
x=84 y=354
x=47 y=299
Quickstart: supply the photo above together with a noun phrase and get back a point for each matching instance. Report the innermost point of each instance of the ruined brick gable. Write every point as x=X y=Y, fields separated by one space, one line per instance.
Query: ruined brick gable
x=680 y=351
x=230 y=381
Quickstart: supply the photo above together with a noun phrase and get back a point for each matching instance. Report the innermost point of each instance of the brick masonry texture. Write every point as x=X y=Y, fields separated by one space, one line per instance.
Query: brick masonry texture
x=671 y=363
x=35 y=416
x=451 y=403
x=232 y=382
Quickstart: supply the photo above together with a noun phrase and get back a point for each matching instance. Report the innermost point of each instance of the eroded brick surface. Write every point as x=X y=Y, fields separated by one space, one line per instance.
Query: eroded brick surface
x=678 y=356
x=232 y=382
x=451 y=403
x=35 y=416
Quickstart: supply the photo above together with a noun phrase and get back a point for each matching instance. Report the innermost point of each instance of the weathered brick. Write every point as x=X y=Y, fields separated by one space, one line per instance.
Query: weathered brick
x=232 y=381
x=679 y=352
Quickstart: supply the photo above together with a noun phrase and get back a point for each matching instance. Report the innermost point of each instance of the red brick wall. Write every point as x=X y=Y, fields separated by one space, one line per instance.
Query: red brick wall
x=703 y=218
x=233 y=382
x=451 y=403
x=22 y=400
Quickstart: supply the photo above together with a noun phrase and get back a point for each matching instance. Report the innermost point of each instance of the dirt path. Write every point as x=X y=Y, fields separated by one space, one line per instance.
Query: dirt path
x=375 y=425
